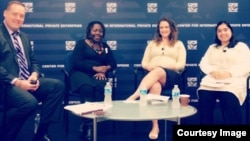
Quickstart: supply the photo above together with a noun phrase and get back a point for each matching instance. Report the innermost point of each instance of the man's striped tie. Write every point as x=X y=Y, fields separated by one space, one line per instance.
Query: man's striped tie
x=23 y=66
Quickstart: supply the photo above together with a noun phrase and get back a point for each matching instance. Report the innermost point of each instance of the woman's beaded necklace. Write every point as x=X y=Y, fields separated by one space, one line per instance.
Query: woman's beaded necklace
x=97 y=47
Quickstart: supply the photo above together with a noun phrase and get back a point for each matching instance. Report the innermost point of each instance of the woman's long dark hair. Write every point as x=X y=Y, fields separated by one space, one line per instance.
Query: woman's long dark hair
x=232 y=41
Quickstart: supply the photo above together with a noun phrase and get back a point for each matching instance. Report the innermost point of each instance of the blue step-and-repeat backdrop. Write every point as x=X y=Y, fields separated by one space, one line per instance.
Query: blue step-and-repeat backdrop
x=54 y=26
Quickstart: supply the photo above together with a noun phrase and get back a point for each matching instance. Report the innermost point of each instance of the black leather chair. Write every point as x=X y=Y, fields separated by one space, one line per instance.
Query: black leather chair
x=139 y=73
x=74 y=95
x=68 y=91
x=247 y=101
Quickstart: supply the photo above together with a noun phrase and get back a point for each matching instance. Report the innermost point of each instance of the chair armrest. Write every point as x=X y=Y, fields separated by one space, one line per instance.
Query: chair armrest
x=247 y=101
x=67 y=86
x=248 y=87
x=41 y=75
x=113 y=73
x=139 y=69
x=136 y=70
x=66 y=77
x=65 y=73
x=183 y=72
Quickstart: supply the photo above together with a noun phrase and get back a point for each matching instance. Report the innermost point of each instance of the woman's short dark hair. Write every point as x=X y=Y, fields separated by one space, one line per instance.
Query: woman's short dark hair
x=90 y=26
x=232 y=41
x=10 y=3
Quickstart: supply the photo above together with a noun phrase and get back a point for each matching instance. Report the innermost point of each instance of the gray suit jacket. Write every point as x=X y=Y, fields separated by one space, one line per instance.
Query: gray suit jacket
x=9 y=68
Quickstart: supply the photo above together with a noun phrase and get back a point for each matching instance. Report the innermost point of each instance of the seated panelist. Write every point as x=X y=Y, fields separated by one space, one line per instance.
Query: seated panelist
x=164 y=58
x=226 y=66
x=92 y=59
x=20 y=69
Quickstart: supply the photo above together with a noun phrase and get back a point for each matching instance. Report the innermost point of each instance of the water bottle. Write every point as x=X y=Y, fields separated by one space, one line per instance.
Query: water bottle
x=175 y=97
x=36 y=122
x=108 y=93
x=143 y=95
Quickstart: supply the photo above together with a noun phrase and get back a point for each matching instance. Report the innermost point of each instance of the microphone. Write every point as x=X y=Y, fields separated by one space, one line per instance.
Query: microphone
x=224 y=50
x=162 y=50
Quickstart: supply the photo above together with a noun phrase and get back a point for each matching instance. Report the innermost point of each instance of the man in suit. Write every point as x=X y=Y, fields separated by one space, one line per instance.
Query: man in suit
x=25 y=93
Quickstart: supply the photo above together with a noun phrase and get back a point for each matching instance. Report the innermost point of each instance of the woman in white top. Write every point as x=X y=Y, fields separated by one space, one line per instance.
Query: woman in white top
x=164 y=58
x=226 y=66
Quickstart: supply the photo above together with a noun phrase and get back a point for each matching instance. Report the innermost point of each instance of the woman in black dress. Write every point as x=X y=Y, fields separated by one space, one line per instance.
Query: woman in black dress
x=92 y=59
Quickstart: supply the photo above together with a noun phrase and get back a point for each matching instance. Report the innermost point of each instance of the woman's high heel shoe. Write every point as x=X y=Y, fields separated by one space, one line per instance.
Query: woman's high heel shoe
x=153 y=135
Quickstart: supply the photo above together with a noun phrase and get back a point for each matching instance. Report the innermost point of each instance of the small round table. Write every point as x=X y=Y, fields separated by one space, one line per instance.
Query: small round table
x=125 y=111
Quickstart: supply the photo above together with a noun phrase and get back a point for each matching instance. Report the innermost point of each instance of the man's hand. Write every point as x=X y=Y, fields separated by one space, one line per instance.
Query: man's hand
x=27 y=85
